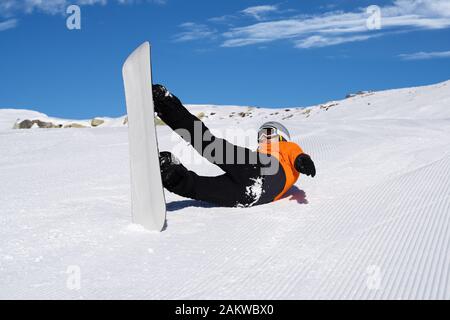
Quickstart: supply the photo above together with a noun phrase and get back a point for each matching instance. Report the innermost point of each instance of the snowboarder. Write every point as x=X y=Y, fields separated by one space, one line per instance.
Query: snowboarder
x=250 y=178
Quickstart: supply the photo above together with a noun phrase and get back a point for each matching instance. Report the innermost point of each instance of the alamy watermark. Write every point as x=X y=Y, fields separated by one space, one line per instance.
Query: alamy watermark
x=232 y=149
x=373 y=281
x=373 y=22
x=73 y=281
x=73 y=21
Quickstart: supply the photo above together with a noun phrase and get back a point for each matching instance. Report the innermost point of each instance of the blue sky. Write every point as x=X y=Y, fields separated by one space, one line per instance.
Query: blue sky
x=260 y=53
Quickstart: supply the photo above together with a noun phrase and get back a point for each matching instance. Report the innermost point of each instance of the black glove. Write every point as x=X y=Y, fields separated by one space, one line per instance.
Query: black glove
x=163 y=99
x=172 y=171
x=305 y=165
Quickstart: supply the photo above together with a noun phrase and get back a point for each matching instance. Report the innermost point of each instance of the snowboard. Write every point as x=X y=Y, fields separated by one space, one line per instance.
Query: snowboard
x=147 y=193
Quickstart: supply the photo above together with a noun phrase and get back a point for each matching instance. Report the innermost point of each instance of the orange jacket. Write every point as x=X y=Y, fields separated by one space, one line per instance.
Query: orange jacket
x=286 y=153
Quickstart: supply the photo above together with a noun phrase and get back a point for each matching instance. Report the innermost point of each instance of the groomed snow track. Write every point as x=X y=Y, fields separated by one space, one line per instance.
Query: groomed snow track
x=373 y=224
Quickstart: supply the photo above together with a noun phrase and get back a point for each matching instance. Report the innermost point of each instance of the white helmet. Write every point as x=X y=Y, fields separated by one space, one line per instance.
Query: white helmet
x=271 y=129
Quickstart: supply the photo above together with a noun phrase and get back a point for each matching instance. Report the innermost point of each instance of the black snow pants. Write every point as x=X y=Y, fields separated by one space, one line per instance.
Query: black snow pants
x=246 y=181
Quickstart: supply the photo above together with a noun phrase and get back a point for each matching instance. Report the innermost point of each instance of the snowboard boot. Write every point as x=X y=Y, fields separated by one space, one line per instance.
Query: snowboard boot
x=172 y=171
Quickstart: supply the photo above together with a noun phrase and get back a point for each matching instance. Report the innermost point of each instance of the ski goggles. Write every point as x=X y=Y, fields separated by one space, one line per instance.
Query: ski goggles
x=267 y=133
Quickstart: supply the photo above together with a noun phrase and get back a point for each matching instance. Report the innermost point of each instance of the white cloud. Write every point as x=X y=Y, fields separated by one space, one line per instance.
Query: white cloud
x=194 y=31
x=439 y=8
x=425 y=55
x=331 y=28
x=295 y=28
x=8 y=24
x=321 y=41
x=259 y=12
x=160 y=2
x=12 y=7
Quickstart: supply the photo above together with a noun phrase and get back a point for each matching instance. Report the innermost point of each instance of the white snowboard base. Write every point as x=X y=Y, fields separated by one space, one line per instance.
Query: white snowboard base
x=147 y=193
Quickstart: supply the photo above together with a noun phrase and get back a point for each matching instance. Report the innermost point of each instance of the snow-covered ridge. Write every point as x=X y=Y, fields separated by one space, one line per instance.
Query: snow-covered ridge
x=374 y=223
x=426 y=102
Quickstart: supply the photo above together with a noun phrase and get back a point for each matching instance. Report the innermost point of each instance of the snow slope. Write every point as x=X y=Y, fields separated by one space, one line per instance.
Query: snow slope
x=374 y=222
x=9 y=116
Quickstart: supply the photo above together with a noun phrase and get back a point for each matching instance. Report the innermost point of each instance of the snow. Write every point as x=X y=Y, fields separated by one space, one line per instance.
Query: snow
x=374 y=223
x=255 y=190
x=9 y=116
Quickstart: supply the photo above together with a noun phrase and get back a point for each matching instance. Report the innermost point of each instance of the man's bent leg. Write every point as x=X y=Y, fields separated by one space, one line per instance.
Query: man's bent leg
x=220 y=190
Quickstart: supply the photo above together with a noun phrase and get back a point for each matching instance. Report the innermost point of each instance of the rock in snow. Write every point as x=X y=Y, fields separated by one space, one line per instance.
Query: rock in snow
x=374 y=222
x=97 y=122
